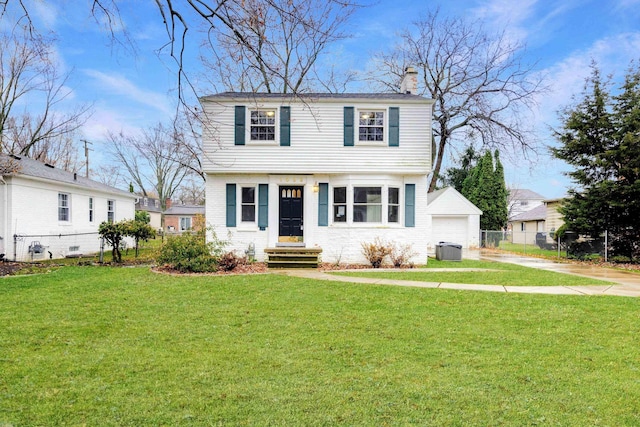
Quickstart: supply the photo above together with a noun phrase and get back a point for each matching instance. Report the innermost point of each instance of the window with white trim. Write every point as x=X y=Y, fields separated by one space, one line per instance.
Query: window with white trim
x=367 y=204
x=111 y=210
x=370 y=126
x=185 y=223
x=393 y=205
x=340 y=204
x=248 y=205
x=263 y=125
x=523 y=226
x=90 y=209
x=64 y=208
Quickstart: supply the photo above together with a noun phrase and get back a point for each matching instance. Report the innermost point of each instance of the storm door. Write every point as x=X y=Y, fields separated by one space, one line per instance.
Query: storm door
x=291 y=207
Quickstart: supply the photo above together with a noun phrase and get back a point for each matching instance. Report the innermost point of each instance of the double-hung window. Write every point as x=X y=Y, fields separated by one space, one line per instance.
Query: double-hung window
x=263 y=125
x=111 y=210
x=393 y=205
x=340 y=204
x=64 y=209
x=248 y=211
x=370 y=126
x=185 y=223
x=367 y=204
x=90 y=209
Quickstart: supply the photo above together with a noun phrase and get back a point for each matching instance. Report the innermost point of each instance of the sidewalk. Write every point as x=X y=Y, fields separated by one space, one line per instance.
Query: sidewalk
x=626 y=284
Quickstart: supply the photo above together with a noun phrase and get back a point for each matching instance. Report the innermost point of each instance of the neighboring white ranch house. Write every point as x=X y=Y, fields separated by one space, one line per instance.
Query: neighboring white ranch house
x=327 y=171
x=52 y=212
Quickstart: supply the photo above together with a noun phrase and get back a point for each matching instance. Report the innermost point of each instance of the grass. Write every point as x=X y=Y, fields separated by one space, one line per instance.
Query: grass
x=532 y=250
x=125 y=347
x=504 y=274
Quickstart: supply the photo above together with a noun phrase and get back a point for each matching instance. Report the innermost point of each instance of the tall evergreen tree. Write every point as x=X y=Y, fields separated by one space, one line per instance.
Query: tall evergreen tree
x=485 y=188
x=600 y=138
x=455 y=176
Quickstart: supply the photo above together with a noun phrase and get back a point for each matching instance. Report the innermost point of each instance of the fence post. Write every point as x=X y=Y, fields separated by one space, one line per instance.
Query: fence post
x=15 y=247
x=606 y=245
x=101 y=250
x=558 y=246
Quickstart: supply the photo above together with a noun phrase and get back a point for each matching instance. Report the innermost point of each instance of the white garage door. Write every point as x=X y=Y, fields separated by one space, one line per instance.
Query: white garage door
x=450 y=229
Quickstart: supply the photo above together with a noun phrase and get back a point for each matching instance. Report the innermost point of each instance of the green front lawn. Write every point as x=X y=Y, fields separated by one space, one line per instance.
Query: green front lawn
x=532 y=250
x=503 y=274
x=126 y=347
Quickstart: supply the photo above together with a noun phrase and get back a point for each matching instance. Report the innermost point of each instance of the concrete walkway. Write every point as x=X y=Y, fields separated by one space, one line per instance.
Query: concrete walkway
x=625 y=283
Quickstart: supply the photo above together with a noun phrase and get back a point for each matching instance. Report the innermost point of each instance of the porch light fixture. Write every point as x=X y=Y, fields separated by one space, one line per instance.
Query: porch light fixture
x=316 y=187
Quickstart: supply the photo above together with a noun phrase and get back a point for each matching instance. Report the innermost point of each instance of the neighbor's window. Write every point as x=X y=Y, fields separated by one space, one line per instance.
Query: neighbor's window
x=340 y=204
x=393 y=205
x=263 y=125
x=371 y=126
x=523 y=226
x=90 y=209
x=524 y=202
x=185 y=223
x=63 y=207
x=111 y=210
x=367 y=204
x=248 y=204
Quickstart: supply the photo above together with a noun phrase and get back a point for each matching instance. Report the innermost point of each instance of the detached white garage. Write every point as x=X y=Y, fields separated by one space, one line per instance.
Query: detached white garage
x=452 y=218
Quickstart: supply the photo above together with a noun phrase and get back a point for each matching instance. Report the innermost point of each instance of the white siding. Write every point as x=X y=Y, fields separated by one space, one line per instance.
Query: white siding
x=317 y=141
x=31 y=209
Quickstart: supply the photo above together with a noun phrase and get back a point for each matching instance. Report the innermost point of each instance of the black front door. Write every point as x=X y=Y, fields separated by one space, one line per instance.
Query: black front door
x=291 y=222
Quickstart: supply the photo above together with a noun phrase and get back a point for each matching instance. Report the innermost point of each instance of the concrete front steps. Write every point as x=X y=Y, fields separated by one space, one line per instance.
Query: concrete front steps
x=293 y=257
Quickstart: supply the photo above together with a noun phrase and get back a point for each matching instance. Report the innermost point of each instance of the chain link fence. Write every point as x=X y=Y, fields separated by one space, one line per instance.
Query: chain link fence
x=37 y=247
x=539 y=242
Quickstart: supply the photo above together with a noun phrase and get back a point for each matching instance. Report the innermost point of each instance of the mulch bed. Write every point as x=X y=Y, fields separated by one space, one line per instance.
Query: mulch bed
x=8 y=268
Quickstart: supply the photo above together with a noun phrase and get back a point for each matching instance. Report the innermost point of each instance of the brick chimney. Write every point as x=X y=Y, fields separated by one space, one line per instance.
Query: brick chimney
x=409 y=83
x=167 y=203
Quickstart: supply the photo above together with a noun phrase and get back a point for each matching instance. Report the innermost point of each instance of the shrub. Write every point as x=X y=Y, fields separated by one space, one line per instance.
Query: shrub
x=620 y=259
x=376 y=252
x=229 y=261
x=400 y=254
x=190 y=252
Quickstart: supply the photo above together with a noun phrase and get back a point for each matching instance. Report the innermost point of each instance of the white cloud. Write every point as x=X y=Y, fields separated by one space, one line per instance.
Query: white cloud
x=118 y=85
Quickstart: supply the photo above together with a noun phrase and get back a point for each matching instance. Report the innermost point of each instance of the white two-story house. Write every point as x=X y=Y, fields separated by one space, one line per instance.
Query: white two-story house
x=327 y=171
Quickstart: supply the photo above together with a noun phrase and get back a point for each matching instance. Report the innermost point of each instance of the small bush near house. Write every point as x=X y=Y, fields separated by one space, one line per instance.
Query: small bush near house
x=229 y=261
x=620 y=259
x=191 y=253
x=376 y=251
x=400 y=254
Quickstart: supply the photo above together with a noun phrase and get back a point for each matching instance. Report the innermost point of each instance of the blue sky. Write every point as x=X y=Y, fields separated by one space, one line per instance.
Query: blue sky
x=133 y=90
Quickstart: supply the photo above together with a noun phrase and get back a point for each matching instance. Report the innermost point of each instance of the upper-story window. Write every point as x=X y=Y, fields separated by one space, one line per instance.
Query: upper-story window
x=64 y=210
x=370 y=126
x=263 y=125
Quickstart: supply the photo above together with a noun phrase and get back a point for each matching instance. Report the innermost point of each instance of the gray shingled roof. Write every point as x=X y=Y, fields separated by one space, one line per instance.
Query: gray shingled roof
x=535 y=214
x=34 y=168
x=313 y=96
x=185 y=210
x=524 y=194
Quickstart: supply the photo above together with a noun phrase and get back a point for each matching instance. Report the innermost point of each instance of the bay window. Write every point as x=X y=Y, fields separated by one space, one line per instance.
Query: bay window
x=367 y=204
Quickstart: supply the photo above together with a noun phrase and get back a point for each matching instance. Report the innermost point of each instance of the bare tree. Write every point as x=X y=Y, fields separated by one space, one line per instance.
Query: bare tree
x=274 y=45
x=152 y=160
x=481 y=87
x=31 y=91
x=191 y=192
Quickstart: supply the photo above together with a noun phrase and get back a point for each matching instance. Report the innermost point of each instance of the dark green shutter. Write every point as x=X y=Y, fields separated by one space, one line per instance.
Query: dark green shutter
x=323 y=204
x=239 y=125
x=231 y=205
x=410 y=205
x=263 y=206
x=348 y=126
x=285 y=126
x=394 y=127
